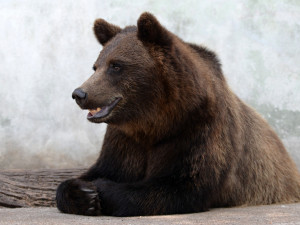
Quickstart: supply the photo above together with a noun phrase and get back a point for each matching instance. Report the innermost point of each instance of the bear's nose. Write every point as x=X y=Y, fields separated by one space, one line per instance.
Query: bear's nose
x=79 y=95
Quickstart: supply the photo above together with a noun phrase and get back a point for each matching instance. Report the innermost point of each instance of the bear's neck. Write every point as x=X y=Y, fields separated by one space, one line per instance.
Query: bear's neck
x=161 y=128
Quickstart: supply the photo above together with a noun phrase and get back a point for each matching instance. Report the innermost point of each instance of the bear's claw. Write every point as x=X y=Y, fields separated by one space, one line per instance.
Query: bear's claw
x=87 y=190
x=76 y=196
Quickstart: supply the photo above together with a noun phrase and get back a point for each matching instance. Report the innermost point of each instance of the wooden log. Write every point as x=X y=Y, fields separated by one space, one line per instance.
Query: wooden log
x=30 y=188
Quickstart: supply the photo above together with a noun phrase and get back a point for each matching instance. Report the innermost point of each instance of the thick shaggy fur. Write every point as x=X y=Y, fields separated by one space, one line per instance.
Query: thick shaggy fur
x=179 y=141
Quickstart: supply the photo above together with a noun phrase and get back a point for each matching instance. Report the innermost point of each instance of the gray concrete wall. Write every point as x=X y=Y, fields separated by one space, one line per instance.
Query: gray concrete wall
x=47 y=48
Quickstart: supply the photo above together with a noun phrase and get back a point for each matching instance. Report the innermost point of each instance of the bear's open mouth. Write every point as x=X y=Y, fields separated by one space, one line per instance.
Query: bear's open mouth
x=103 y=111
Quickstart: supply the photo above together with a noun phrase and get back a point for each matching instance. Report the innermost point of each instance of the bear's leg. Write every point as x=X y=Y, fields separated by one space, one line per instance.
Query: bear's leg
x=157 y=197
x=76 y=196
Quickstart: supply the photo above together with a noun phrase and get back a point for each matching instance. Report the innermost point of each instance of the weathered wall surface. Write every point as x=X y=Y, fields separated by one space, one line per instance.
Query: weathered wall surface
x=47 y=48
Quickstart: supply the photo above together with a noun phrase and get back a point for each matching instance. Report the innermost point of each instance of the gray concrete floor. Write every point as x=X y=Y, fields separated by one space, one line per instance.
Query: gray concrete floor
x=272 y=214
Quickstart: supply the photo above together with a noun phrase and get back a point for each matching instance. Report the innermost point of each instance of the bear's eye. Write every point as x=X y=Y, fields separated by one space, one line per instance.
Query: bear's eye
x=115 y=67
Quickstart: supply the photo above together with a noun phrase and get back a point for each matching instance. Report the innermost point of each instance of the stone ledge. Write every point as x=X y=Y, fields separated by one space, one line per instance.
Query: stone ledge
x=271 y=214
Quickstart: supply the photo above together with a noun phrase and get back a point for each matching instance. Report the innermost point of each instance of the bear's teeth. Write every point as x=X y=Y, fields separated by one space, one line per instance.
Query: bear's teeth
x=94 y=111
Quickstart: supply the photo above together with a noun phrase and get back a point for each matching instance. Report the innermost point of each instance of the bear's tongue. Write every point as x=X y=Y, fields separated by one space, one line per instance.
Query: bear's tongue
x=94 y=111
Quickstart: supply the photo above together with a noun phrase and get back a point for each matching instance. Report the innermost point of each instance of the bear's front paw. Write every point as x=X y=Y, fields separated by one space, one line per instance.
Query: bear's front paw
x=76 y=196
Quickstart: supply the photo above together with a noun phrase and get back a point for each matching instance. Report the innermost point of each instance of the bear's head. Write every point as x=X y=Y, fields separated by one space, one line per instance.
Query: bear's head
x=144 y=76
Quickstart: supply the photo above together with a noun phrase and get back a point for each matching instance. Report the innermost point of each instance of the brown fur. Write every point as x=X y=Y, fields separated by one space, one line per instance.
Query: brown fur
x=179 y=140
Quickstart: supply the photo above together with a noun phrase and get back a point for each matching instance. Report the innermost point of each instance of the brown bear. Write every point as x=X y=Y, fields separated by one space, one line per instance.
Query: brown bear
x=178 y=139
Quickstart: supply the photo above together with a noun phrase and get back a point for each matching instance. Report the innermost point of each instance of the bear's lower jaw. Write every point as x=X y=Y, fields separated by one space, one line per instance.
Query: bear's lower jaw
x=98 y=115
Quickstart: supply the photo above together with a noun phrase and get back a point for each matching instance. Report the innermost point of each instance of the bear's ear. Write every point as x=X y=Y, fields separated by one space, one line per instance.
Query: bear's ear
x=150 y=30
x=105 y=31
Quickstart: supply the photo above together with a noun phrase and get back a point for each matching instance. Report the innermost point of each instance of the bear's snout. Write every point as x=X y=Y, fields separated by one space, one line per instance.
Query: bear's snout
x=79 y=95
